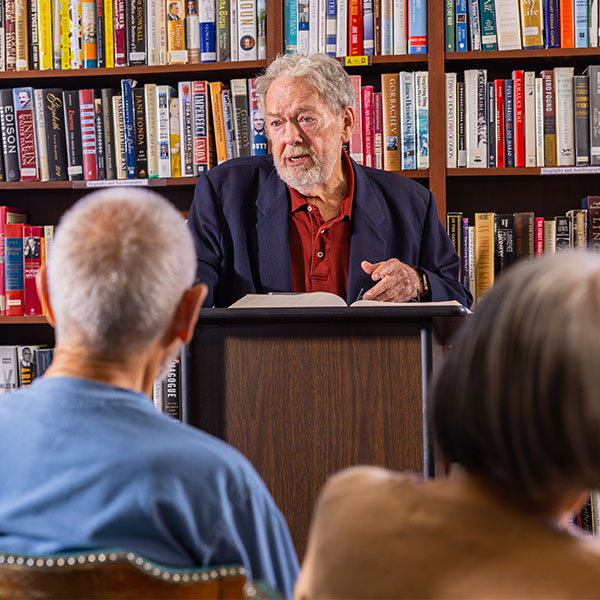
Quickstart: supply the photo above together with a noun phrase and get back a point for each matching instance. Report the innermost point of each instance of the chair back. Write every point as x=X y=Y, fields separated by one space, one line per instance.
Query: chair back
x=116 y=574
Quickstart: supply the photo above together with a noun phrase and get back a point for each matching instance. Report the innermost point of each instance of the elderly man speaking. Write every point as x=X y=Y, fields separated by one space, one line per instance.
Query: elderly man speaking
x=308 y=218
x=87 y=462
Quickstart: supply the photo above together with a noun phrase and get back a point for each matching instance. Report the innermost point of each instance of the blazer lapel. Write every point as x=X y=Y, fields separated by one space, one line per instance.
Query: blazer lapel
x=367 y=243
x=272 y=236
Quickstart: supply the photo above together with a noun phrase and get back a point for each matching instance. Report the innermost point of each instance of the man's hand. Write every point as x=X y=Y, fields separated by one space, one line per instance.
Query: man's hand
x=397 y=282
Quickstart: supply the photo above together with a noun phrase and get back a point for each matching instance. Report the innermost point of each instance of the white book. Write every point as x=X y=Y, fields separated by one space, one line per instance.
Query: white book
x=407 y=121
x=48 y=240
x=163 y=50
x=508 y=24
x=593 y=23
x=422 y=121
x=322 y=45
x=2 y=45
x=75 y=33
x=313 y=26
x=303 y=27
x=56 y=34
x=341 y=39
x=163 y=139
x=475 y=121
x=472 y=270
x=233 y=28
x=192 y=32
x=41 y=139
x=119 y=137
x=549 y=236
x=387 y=27
x=247 y=30
x=9 y=369
x=400 y=22
x=150 y=102
x=153 y=32
x=565 y=120
x=261 y=24
x=451 y=131
x=539 y=122
x=529 y=101
x=206 y=20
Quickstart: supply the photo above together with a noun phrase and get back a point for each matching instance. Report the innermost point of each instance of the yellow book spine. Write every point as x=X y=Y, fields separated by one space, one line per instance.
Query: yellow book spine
x=177 y=54
x=174 y=137
x=484 y=253
x=109 y=41
x=65 y=35
x=45 y=33
x=218 y=120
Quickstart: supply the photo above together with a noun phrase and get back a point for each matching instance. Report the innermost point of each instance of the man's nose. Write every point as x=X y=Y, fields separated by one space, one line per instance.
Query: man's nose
x=292 y=134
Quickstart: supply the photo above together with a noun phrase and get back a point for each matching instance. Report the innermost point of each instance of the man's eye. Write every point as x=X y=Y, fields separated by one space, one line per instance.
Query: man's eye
x=275 y=123
x=307 y=120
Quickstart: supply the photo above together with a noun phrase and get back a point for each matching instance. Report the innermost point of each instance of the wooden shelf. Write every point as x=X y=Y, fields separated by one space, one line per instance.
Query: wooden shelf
x=515 y=171
x=23 y=321
x=89 y=185
x=551 y=53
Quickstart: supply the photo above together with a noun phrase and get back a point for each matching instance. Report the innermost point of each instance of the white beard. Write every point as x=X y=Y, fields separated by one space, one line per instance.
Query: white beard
x=305 y=178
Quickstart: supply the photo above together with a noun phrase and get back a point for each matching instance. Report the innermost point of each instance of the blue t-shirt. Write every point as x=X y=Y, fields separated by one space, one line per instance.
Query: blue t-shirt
x=86 y=465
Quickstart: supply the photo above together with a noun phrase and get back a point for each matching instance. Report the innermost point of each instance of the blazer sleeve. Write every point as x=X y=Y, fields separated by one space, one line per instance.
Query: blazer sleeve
x=439 y=260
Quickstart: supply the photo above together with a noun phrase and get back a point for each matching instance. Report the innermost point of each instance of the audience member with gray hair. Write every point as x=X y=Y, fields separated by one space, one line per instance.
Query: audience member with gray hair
x=307 y=217
x=87 y=460
x=515 y=409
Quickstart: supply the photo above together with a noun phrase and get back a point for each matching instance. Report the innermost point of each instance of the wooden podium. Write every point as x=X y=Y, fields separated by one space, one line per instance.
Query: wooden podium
x=305 y=392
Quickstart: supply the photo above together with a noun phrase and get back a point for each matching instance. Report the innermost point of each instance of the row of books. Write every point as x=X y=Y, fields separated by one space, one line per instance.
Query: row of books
x=20 y=365
x=392 y=126
x=23 y=249
x=75 y=34
x=134 y=132
x=520 y=24
x=355 y=27
x=550 y=120
x=494 y=242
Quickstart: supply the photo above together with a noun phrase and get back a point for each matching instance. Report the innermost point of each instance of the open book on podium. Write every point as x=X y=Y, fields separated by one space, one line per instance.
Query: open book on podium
x=321 y=300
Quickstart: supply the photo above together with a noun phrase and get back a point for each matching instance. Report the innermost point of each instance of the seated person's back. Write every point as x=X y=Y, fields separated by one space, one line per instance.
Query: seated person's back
x=515 y=407
x=87 y=460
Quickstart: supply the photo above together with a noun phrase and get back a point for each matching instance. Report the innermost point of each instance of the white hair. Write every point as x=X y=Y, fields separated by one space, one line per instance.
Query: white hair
x=121 y=261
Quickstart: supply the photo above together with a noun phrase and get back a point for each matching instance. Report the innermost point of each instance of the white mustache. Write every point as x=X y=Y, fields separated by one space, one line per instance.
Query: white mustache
x=297 y=151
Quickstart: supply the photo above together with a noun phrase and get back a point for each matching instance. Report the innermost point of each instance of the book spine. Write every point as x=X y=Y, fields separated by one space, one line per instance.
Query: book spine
x=163 y=41
x=368 y=28
x=304 y=26
x=2 y=37
x=581 y=104
x=505 y=242
x=100 y=52
x=563 y=233
x=593 y=229
x=108 y=39
x=422 y=124
x=461 y=25
x=201 y=126
x=151 y=128
x=567 y=23
x=531 y=23
x=258 y=138
x=367 y=125
x=341 y=48
x=500 y=124
x=32 y=235
x=98 y=121
x=387 y=27
x=174 y=133
x=65 y=34
x=390 y=102
x=484 y=253
x=120 y=164
x=378 y=131
x=21 y=35
x=9 y=369
x=508 y=24
x=9 y=24
x=581 y=23
x=549 y=236
x=476 y=138
x=172 y=391
x=549 y=120
x=355 y=28
x=218 y=120
x=162 y=131
x=75 y=34
x=228 y=123
x=241 y=118
x=491 y=123
x=451 y=124
x=551 y=24
x=593 y=73
x=509 y=124
x=140 y=134
x=108 y=133
x=88 y=134
x=176 y=52
x=185 y=128
x=128 y=120
x=449 y=26
x=119 y=35
x=13 y=269
x=193 y=29
x=417 y=26
x=208 y=39
x=539 y=236
x=355 y=145
x=331 y=31
x=565 y=134
x=487 y=15
x=290 y=26
x=400 y=26
x=464 y=267
x=472 y=275
x=407 y=121
x=26 y=135
x=9 y=136
x=42 y=139
x=519 y=123
x=539 y=122
x=223 y=31
x=88 y=32
x=136 y=33
x=313 y=26
x=247 y=30
x=454 y=229
x=474 y=24
x=524 y=235
x=530 y=118
x=153 y=31
x=46 y=50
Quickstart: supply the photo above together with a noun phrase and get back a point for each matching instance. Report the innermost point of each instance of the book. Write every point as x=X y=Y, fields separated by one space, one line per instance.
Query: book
x=73 y=135
x=532 y=23
x=151 y=128
x=509 y=123
x=355 y=28
x=549 y=119
x=407 y=120
x=8 y=215
x=356 y=143
x=491 y=123
x=505 y=243
x=519 y=117
x=43 y=358
x=563 y=233
x=461 y=25
x=500 y=129
x=108 y=133
x=567 y=23
x=228 y=123
x=185 y=129
x=163 y=95
x=26 y=133
x=367 y=126
x=223 y=31
x=27 y=366
x=261 y=30
x=176 y=52
x=417 y=26
x=551 y=24
x=32 y=262
x=484 y=253
x=140 y=138
x=172 y=391
x=88 y=134
x=9 y=136
x=378 y=133
x=487 y=16
x=581 y=109
x=89 y=41
x=592 y=205
x=454 y=229
x=475 y=117
x=10 y=37
x=54 y=121
x=451 y=121
x=193 y=30
x=174 y=134
x=258 y=136
x=208 y=38
x=449 y=26
x=128 y=126
x=399 y=26
x=390 y=104
x=9 y=369
x=508 y=24
x=13 y=269
x=538 y=236
x=203 y=152
x=247 y=30
x=422 y=119
x=530 y=118
x=120 y=164
x=216 y=102
x=539 y=122
x=241 y=116
x=461 y=125
x=593 y=73
x=565 y=133
x=474 y=24
x=549 y=236
x=524 y=235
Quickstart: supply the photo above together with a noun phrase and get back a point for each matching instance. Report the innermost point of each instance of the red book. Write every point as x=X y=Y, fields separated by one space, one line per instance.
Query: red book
x=539 y=236
x=13 y=269
x=23 y=104
x=88 y=134
x=500 y=157
x=119 y=33
x=519 y=118
x=378 y=130
x=355 y=28
x=32 y=261
x=355 y=144
x=7 y=215
x=367 y=126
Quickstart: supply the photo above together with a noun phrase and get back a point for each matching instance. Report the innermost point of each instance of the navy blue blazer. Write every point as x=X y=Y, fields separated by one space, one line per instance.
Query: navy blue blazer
x=240 y=223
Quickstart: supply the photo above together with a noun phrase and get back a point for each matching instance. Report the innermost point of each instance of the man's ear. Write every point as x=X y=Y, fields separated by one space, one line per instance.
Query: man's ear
x=41 y=283
x=348 y=120
x=186 y=315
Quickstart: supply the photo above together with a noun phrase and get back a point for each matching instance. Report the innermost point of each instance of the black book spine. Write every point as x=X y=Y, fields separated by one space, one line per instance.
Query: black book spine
x=139 y=134
x=54 y=115
x=581 y=102
x=460 y=124
x=491 y=123
x=73 y=135
x=108 y=133
x=505 y=243
x=100 y=54
x=98 y=120
x=172 y=391
x=135 y=14
x=34 y=38
x=9 y=136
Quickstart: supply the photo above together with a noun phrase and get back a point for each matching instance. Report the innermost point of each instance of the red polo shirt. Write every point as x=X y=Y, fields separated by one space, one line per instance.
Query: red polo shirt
x=319 y=250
